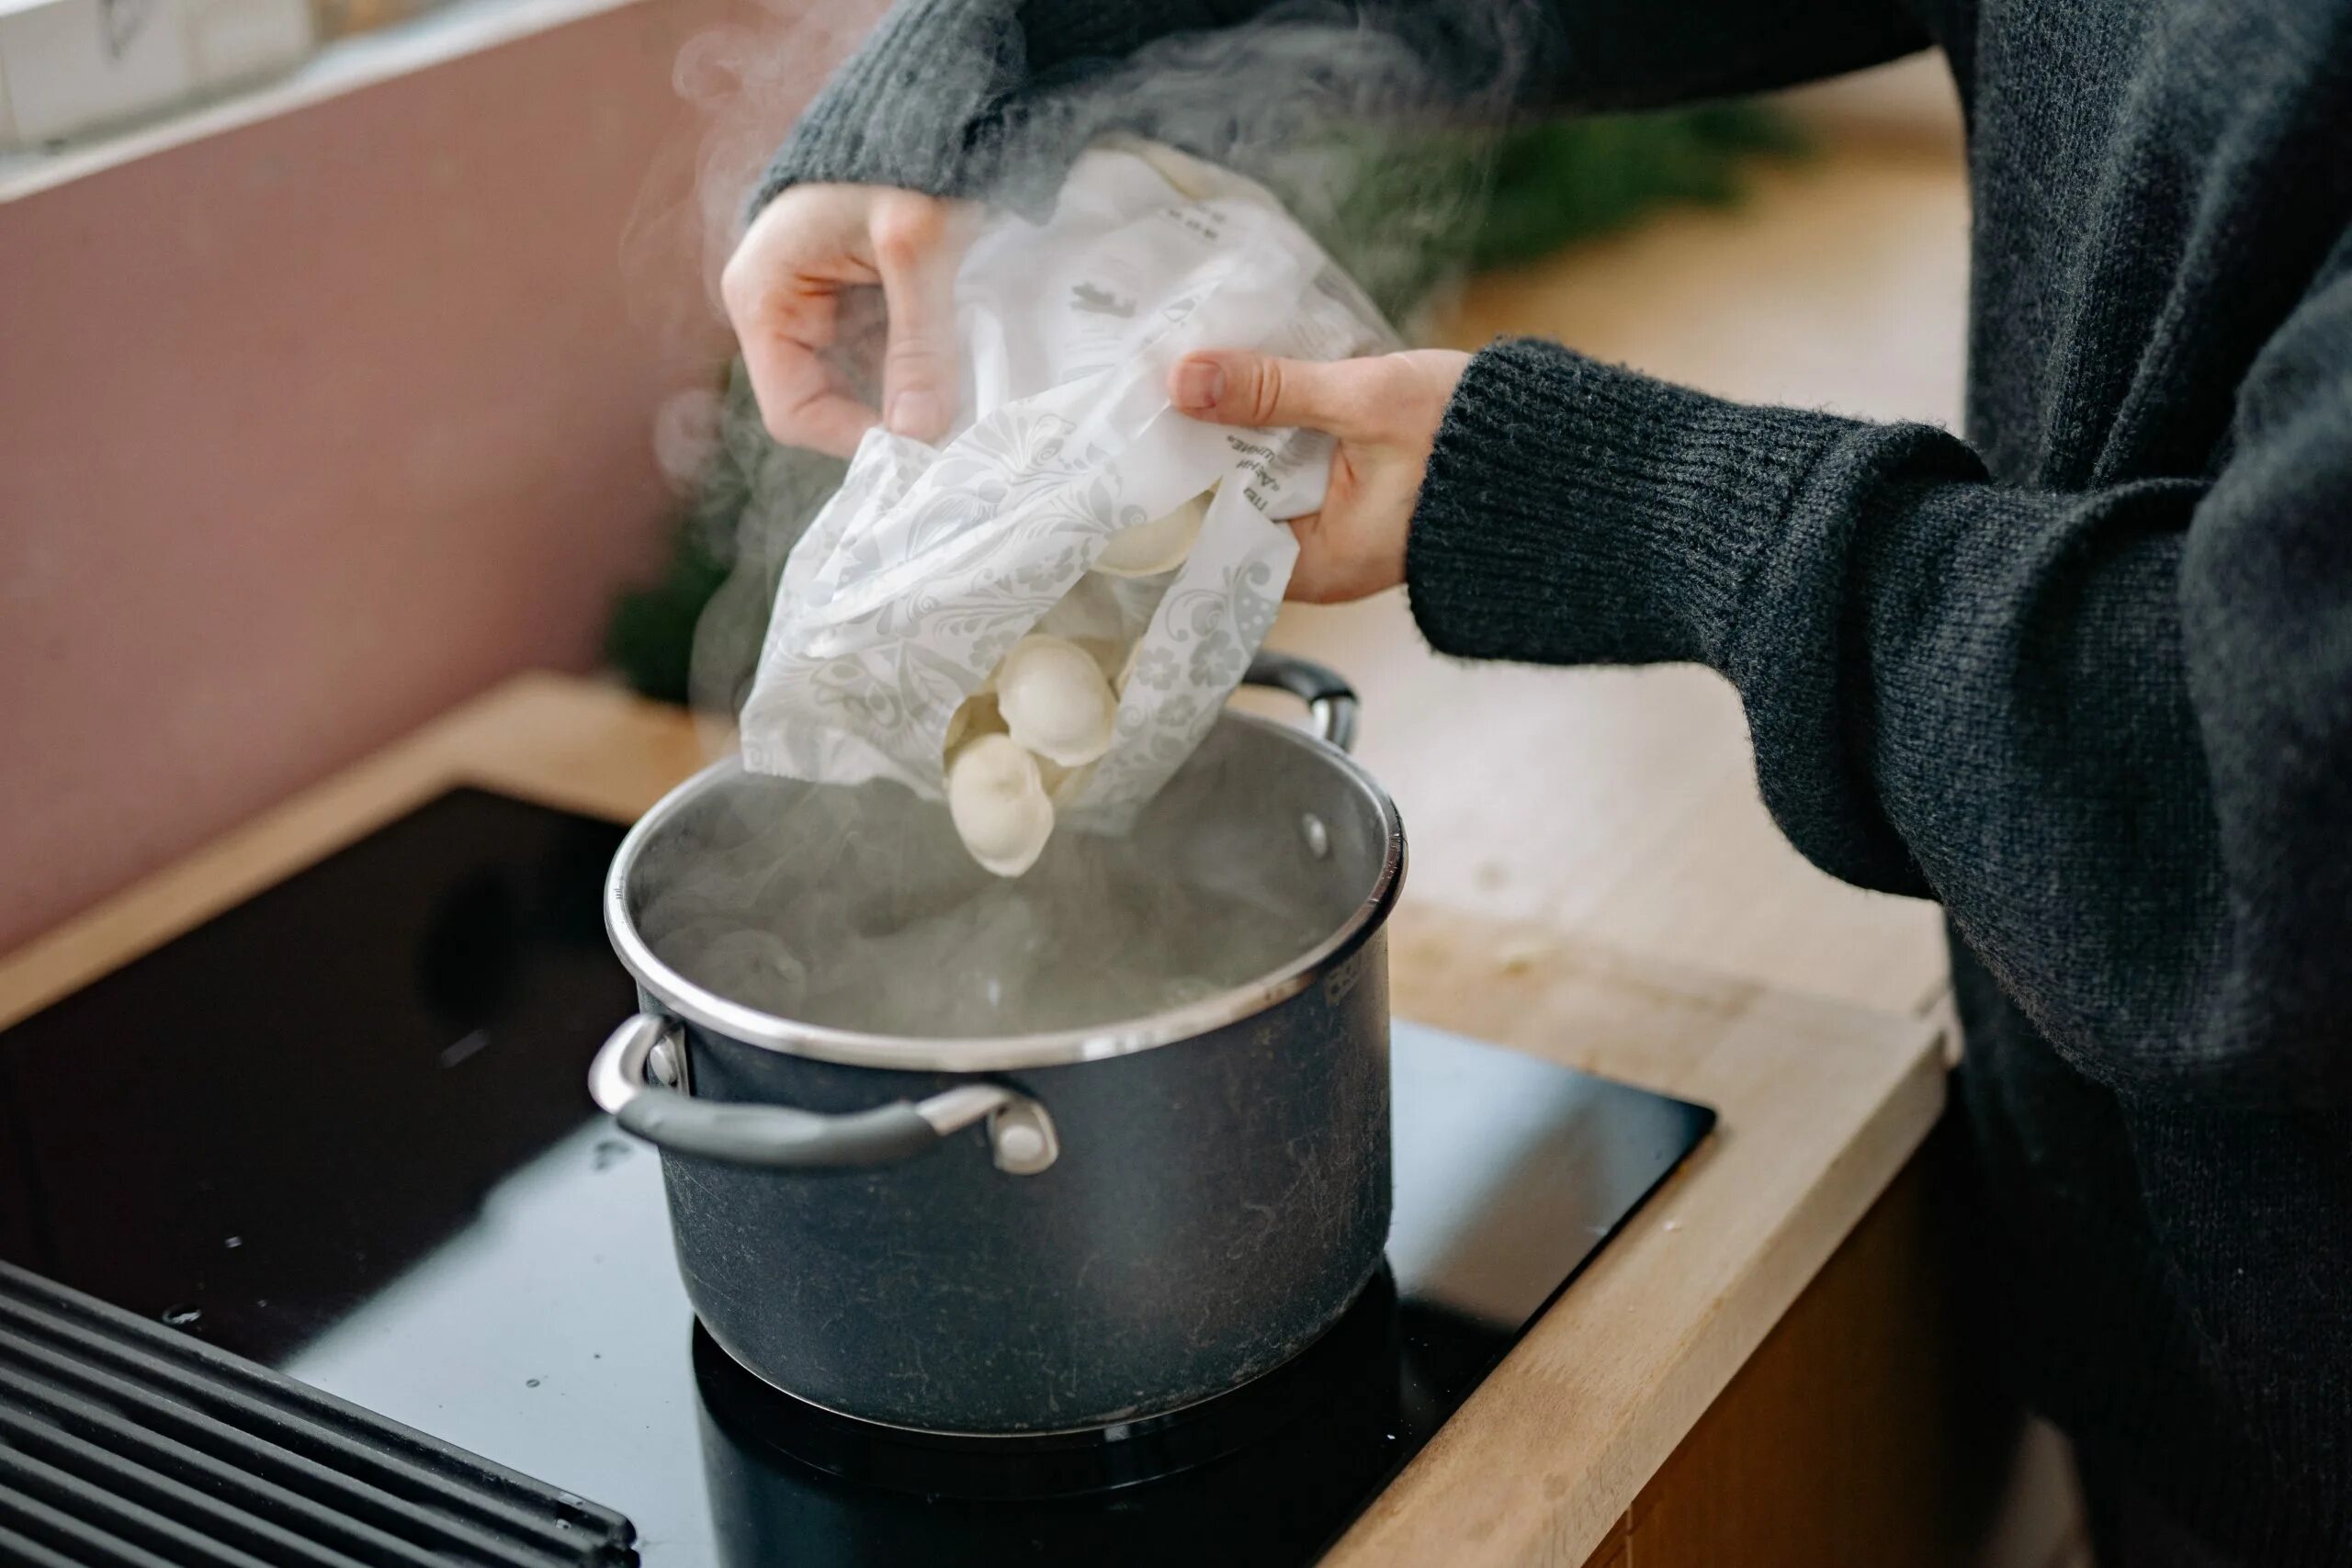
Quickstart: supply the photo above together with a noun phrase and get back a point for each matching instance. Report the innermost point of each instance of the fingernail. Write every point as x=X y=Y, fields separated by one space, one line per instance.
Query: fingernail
x=914 y=414
x=1199 y=384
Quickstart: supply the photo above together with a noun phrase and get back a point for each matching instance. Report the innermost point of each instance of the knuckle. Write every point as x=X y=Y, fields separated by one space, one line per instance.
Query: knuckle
x=739 y=284
x=905 y=226
x=1268 y=388
x=911 y=359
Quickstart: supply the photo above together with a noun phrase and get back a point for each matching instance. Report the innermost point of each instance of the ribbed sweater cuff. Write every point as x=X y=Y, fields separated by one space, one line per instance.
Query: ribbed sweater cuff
x=920 y=106
x=1576 y=512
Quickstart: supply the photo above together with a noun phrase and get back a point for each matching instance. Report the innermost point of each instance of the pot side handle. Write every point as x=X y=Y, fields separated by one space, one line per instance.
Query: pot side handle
x=776 y=1137
x=1331 y=701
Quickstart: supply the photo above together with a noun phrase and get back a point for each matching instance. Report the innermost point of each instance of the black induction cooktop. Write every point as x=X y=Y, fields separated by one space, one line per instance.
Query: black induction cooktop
x=342 y=1129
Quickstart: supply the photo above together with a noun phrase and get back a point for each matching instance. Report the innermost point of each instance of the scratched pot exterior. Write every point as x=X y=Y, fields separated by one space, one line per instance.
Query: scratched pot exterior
x=1216 y=1206
x=1221 y=1193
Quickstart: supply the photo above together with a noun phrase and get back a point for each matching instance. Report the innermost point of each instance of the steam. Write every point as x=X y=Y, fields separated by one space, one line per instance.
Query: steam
x=856 y=907
x=1374 y=127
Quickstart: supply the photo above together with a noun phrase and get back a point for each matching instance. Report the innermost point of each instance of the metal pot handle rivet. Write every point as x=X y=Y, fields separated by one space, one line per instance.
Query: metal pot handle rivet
x=1021 y=1139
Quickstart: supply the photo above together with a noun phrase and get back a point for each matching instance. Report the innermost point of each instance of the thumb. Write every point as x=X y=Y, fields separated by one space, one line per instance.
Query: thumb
x=1235 y=387
x=920 y=372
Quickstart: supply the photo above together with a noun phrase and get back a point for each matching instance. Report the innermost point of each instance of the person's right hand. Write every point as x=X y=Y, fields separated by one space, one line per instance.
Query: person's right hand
x=783 y=288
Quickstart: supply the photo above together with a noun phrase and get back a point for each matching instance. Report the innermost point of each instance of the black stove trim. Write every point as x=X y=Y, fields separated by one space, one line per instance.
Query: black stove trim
x=123 y=1441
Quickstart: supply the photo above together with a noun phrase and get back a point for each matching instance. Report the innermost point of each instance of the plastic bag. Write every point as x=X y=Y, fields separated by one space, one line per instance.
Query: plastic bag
x=930 y=563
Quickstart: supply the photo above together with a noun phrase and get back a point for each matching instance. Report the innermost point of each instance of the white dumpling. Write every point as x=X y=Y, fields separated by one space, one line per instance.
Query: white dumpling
x=998 y=800
x=1055 y=701
x=1149 y=548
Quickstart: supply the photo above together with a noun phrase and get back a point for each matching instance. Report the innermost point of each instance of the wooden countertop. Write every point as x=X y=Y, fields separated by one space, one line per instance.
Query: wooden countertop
x=1822 y=1104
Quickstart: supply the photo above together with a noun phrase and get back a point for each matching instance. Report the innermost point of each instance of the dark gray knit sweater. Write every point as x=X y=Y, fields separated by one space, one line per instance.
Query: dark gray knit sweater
x=2083 y=676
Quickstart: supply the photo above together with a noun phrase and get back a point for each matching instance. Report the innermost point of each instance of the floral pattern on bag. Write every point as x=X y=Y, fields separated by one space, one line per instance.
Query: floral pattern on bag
x=931 y=562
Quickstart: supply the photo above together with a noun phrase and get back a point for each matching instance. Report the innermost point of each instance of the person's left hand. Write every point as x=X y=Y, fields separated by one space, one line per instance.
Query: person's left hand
x=1384 y=412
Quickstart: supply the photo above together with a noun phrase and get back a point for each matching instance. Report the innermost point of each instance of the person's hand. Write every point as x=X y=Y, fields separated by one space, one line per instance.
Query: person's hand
x=783 y=289
x=1384 y=413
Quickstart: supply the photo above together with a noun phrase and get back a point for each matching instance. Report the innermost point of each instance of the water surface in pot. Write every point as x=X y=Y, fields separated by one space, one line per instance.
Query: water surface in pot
x=858 y=908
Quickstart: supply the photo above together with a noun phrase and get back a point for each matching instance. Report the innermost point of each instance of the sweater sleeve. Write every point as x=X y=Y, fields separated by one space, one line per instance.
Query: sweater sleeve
x=932 y=101
x=2110 y=730
x=995 y=97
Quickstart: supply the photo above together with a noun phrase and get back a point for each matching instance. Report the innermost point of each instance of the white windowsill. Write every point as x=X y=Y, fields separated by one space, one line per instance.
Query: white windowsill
x=459 y=28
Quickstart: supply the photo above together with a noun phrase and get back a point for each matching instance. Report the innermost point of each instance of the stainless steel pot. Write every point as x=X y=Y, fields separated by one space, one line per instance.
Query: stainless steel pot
x=1046 y=1232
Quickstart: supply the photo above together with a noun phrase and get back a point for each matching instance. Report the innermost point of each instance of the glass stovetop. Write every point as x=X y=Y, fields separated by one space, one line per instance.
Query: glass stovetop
x=342 y=1129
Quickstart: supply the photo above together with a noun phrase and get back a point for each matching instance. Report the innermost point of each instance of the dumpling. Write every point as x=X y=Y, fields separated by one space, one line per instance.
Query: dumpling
x=1055 y=701
x=1149 y=548
x=997 y=797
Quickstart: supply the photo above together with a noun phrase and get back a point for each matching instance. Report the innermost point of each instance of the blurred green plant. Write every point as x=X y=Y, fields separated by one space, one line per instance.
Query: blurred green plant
x=1558 y=183
x=1402 y=213
x=651 y=638
x=750 y=503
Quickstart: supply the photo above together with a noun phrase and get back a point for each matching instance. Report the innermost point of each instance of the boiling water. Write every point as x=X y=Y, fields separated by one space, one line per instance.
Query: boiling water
x=872 y=917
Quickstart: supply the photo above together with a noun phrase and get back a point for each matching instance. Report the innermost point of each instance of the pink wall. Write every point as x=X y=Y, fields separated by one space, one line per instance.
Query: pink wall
x=311 y=429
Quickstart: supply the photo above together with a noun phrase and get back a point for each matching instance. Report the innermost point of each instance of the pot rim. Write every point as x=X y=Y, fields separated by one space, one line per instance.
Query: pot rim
x=997 y=1052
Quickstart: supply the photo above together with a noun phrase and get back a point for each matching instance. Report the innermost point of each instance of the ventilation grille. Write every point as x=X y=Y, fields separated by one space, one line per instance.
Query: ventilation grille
x=126 y=1443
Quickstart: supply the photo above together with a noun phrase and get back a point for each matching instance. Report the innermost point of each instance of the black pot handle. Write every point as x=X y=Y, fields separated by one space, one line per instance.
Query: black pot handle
x=1331 y=701
x=776 y=1137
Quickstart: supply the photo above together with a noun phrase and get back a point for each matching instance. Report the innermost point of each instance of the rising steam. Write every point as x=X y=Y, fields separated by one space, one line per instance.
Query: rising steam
x=1372 y=126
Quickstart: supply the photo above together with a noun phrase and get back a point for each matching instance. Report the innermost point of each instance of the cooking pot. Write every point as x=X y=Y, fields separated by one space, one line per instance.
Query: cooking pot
x=1046 y=1232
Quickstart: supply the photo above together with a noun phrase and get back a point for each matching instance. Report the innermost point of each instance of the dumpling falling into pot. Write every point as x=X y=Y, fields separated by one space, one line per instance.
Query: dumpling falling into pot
x=997 y=796
x=1056 y=701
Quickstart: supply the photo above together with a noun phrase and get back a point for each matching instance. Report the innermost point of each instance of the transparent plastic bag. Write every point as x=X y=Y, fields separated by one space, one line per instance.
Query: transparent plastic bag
x=930 y=563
